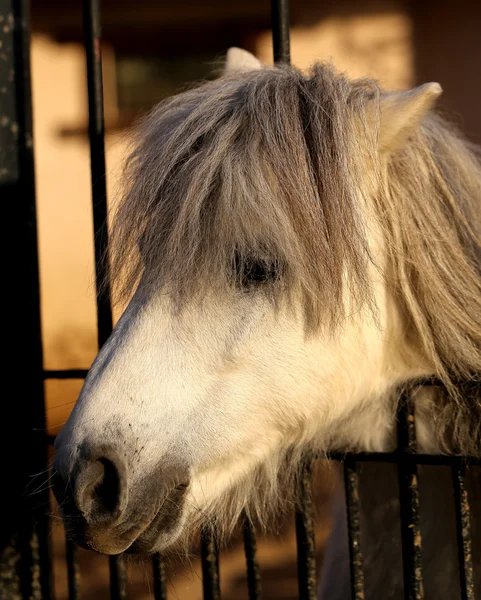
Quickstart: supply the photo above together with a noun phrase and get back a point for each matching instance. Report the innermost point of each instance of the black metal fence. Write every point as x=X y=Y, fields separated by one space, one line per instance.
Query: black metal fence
x=28 y=547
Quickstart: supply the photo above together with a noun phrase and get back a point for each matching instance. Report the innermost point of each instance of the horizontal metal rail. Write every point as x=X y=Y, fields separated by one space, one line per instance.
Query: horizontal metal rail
x=393 y=457
x=389 y=457
x=65 y=374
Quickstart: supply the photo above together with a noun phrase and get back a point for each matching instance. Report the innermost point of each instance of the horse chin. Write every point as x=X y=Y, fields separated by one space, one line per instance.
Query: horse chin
x=153 y=540
x=165 y=529
x=138 y=533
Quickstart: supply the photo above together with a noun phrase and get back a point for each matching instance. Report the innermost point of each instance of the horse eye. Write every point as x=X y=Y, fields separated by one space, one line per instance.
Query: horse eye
x=250 y=272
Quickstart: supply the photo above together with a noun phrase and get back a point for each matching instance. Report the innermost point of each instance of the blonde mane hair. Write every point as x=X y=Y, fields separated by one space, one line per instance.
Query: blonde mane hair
x=271 y=164
x=432 y=221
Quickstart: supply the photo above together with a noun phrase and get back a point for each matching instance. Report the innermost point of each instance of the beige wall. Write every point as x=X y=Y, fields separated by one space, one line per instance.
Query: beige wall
x=64 y=212
x=377 y=46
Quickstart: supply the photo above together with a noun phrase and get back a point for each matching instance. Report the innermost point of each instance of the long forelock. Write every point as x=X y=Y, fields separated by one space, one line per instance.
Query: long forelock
x=260 y=164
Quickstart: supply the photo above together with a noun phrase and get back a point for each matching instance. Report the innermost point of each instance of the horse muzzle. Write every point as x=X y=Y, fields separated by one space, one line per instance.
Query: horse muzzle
x=106 y=509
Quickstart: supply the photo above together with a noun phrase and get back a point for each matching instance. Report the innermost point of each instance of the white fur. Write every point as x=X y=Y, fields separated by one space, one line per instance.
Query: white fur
x=230 y=383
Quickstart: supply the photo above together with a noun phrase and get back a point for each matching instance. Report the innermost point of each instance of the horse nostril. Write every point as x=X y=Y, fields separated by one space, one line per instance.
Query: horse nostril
x=100 y=489
x=108 y=489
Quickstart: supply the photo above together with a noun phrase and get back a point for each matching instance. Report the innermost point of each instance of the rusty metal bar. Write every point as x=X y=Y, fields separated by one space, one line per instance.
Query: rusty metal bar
x=210 y=565
x=118 y=578
x=351 y=485
x=253 y=570
x=73 y=571
x=463 y=529
x=92 y=40
x=160 y=578
x=25 y=559
x=280 y=31
x=409 y=502
x=306 y=546
x=306 y=551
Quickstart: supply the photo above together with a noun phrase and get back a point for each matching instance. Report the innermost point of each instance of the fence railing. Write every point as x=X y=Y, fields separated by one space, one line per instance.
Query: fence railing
x=32 y=546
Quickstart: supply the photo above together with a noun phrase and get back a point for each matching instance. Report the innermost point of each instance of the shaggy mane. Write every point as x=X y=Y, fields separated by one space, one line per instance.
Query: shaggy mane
x=257 y=166
x=271 y=164
x=432 y=221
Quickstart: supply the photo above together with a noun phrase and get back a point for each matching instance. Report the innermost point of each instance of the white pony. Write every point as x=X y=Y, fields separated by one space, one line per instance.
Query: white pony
x=295 y=248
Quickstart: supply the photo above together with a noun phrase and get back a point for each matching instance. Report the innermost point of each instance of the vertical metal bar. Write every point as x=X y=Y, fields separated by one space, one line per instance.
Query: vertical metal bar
x=280 y=31
x=463 y=527
x=210 y=565
x=92 y=37
x=92 y=31
x=306 y=553
x=409 y=502
x=73 y=571
x=25 y=560
x=253 y=570
x=160 y=578
x=351 y=484
x=306 y=547
x=118 y=578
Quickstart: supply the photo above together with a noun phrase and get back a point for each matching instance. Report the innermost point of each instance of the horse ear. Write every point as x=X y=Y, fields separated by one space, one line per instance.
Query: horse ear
x=403 y=112
x=239 y=60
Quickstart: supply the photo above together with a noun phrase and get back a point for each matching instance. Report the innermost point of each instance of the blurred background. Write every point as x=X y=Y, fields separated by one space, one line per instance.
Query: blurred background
x=152 y=49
